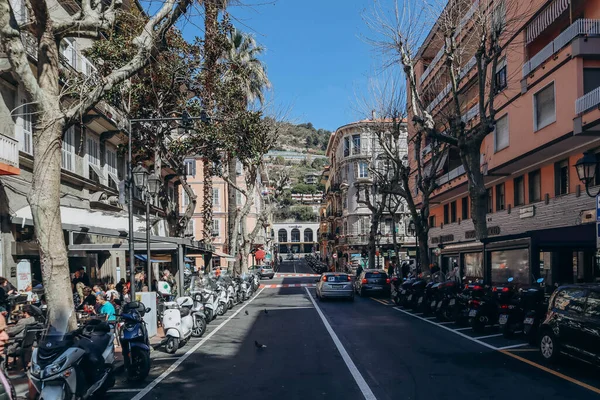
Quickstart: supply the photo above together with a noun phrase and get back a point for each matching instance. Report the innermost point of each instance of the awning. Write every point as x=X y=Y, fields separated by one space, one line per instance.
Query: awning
x=545 y=18
x=223 y=255
x=142 y=257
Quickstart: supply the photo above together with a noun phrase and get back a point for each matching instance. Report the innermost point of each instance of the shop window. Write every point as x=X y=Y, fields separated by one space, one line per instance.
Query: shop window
x=432 y=221
x=571 y=300
x=535 y=186
x=519 y=184
x=473 y=266
x=465 y=208
x=446 y=213
x=510 y=264
x=500 y=197
x=453 y=211
x=490 y=201
x=501 y=136
x=544 y=110
x=561 y=177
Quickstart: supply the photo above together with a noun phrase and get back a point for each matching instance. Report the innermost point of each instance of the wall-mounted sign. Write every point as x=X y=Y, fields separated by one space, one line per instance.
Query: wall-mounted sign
x=442 y=239
x=527 y=212
x=23 y=274
x=491 y=231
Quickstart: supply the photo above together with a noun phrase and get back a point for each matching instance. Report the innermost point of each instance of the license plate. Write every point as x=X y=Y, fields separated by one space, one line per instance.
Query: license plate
x=403 y=291
x=528 y=321
x=452 y=302
x=503 y=319
x=420 y=300
x=472 y=313
x=433 y=304
x=375 y=287
x=409 y=297
x=337 y=286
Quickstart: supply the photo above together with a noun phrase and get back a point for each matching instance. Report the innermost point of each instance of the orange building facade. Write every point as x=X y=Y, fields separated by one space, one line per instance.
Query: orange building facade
x=541 y=222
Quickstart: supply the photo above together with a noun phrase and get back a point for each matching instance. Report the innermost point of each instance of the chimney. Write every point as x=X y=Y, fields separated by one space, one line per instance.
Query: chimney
x=373 y=115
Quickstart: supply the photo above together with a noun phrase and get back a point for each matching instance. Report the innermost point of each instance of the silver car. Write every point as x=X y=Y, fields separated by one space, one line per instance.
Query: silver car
x=335 y=284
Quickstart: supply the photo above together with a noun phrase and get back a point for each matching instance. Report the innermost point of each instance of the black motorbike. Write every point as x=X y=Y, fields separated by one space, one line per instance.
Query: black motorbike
x=133 y=336
x=535 y=305
x=510 y=309
x=446 y=300
x=417 y=290
x=466 y=300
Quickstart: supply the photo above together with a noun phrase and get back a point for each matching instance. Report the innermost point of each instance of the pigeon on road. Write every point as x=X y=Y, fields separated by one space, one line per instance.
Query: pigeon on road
x=260 y=346
x=246 y=312
x=266 y=312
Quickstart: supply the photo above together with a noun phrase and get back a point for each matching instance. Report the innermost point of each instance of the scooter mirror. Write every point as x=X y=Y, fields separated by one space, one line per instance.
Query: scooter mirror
x=540 y=280
x=511 y=279
x=148 y=310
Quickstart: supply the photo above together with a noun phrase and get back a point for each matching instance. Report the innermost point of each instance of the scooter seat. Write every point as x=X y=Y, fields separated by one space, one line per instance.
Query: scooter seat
x=184 y=311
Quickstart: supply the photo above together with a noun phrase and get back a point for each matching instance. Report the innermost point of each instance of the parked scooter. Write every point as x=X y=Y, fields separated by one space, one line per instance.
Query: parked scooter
x=74 y=365
x=177 y=323
x=535 y=305
x=510 y=309
x=203 y=291
x=133 y=337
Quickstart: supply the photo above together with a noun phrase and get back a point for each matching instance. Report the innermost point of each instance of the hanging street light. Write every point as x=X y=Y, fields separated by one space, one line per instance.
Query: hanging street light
x=586 y=168
x=140 y=176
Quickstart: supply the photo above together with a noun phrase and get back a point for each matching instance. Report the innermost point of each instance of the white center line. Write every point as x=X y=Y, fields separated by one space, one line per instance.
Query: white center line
x=429 y=317
x=123 y=390
x=463 y=329
x=360 y=381
x=514 y=346
x=446 y=322
x=488 y=336
x=181 y=359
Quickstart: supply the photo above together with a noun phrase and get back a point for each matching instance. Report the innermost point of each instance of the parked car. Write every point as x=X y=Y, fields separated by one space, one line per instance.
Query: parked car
x=265 y=271
x=373 y=281
x=335 y=284
x=572 y=324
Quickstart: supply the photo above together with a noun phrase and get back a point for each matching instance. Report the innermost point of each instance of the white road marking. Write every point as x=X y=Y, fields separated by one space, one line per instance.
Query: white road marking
x=165 y=358
x=488 y=336
x=513 y=346
x=181 y=359
x=489 y=346
x=447 y=322
x=360 y=381
x=123 y=390
x=429 y=317
x=463 y=329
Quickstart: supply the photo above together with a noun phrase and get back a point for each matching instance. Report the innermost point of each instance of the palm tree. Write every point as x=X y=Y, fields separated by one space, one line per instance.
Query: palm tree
x=246 y=70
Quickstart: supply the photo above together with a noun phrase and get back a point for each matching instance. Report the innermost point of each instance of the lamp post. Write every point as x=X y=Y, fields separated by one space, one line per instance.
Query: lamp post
x=378 y=241
x=586 y=168
x=412 y=231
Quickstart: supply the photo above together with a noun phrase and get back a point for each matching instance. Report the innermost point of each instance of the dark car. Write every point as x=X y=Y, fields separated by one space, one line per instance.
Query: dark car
x=373 y=281
x=572 y=324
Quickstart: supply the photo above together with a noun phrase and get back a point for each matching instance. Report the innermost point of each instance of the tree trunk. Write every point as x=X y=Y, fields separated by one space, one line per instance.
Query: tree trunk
x=44 y=197
x=479 y=196
x=423 y=250
x=207 y=207
x=372 y=241
x=232 y=236
x=394 y=240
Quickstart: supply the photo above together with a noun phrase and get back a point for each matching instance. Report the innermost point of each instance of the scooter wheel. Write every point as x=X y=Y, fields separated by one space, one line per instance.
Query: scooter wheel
x=199 y=326
x=221 y=309
x=477 y=325
x=230 y=304
x=507 y=332
x=172 y=345
x=140 y=365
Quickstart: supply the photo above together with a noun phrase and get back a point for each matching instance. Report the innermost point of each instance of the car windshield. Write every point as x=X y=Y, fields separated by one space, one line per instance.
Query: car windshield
x=337 y=278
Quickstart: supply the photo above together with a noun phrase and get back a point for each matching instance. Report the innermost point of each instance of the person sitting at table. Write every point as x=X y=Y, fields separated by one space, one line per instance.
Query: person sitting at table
x=106 y=307
x=89 y=299
x=19 y=327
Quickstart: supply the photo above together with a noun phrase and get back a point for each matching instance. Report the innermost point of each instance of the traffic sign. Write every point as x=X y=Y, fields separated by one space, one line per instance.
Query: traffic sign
x=597 y=235
x=598 y=208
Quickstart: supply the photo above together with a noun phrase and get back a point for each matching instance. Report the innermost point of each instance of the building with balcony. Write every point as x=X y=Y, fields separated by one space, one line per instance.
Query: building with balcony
x=540 y=221
x=353 y=151
x=92 y=191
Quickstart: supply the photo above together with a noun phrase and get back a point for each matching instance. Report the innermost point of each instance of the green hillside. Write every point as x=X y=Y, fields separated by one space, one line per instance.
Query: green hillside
x=303 y=138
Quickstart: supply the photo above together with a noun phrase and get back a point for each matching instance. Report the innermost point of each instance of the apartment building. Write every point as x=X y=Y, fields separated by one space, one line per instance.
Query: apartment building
x=221 y=255
x=353 y=151
x=540 y=221
x=92 y=205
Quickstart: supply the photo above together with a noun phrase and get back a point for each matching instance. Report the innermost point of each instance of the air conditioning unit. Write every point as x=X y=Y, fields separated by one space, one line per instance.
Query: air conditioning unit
x=588 y=217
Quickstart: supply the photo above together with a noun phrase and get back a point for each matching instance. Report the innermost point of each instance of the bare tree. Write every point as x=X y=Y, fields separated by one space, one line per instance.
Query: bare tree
x=458 y=107
x=55 y=112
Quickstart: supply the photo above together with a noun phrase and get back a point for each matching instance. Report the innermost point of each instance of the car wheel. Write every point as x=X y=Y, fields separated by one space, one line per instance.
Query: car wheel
x=271 y=278
x=549 y=346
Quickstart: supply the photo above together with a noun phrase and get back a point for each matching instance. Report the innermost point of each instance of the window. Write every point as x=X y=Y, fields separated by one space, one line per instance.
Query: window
x=216 y=201
x=519 y=191
x=190 y=167
x=68 y=150
x=239 y=198
x=295 y=235
x=308 y=233
x=500 y=197
x=93 y=150
x=571 y=300
x=19 y=10
x=345 y=202
x=282 y=235
x=446 y=213
x=561 y=177
x=465 y=208
x=501 y=136
x=185 y=200
x=593 y=305
x=216 y=227
x=67 y=48
x=535 y=186
x=591 y=79
x=239 y=168
x=362 y=169
x=501 y=81
x=473 y=266
x=432 y=221
x=544 y=107
x=510 y=263
x=355 y=144
x=490 y=201
x=27 y=125
x=346 y=146
x=453 y=211
x=111 y=161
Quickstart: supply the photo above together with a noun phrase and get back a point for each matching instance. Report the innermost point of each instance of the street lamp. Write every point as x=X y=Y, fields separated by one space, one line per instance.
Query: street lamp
x=412 y=231
x=586 y=171
x=149 y=185
x=378 y=240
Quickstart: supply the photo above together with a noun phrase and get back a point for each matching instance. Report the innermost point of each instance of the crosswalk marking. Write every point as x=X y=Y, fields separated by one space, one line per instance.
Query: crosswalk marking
x=288 y=285
x=289 y=275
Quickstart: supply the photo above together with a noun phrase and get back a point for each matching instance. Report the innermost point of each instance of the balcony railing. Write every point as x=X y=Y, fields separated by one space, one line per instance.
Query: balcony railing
x=9 y=151
x=453 y=174
x=590 y=100
x=463 y=72
x=578 y=28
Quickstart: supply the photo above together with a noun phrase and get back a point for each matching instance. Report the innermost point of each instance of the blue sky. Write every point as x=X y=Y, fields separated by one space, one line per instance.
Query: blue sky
x=317 y=58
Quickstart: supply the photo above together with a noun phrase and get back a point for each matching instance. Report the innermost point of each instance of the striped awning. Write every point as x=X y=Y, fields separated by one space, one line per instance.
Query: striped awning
x=545 y=18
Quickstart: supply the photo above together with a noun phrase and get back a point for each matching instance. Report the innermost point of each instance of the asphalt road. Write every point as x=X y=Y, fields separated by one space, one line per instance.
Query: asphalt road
x=379 y=352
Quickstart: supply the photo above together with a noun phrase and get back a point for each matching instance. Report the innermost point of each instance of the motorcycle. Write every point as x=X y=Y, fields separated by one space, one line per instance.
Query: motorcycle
x=510 y=310
x=74 y=365
x=446 y=300
x=133 y=337
x=203 y=291
x=535 y=305
x=223 y=297
x=177 y=323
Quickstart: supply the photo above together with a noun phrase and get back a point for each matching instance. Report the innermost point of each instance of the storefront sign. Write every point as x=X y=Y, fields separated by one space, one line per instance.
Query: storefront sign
x=527 y=212
x=23 y=274
x=491 y=231
x=442 y=239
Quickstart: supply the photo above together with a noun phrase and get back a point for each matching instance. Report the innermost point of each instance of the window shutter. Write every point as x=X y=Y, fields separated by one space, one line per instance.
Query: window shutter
x=501 y=133
x=545 y=112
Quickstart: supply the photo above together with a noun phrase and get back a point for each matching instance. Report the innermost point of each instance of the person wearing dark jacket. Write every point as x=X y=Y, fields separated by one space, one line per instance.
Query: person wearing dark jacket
x=88 y=300
x=7 y=391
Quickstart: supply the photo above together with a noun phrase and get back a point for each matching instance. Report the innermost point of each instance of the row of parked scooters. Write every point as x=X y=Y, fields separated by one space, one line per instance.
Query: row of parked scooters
x=476 y=304
x=81 y=363
x=316 y=265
